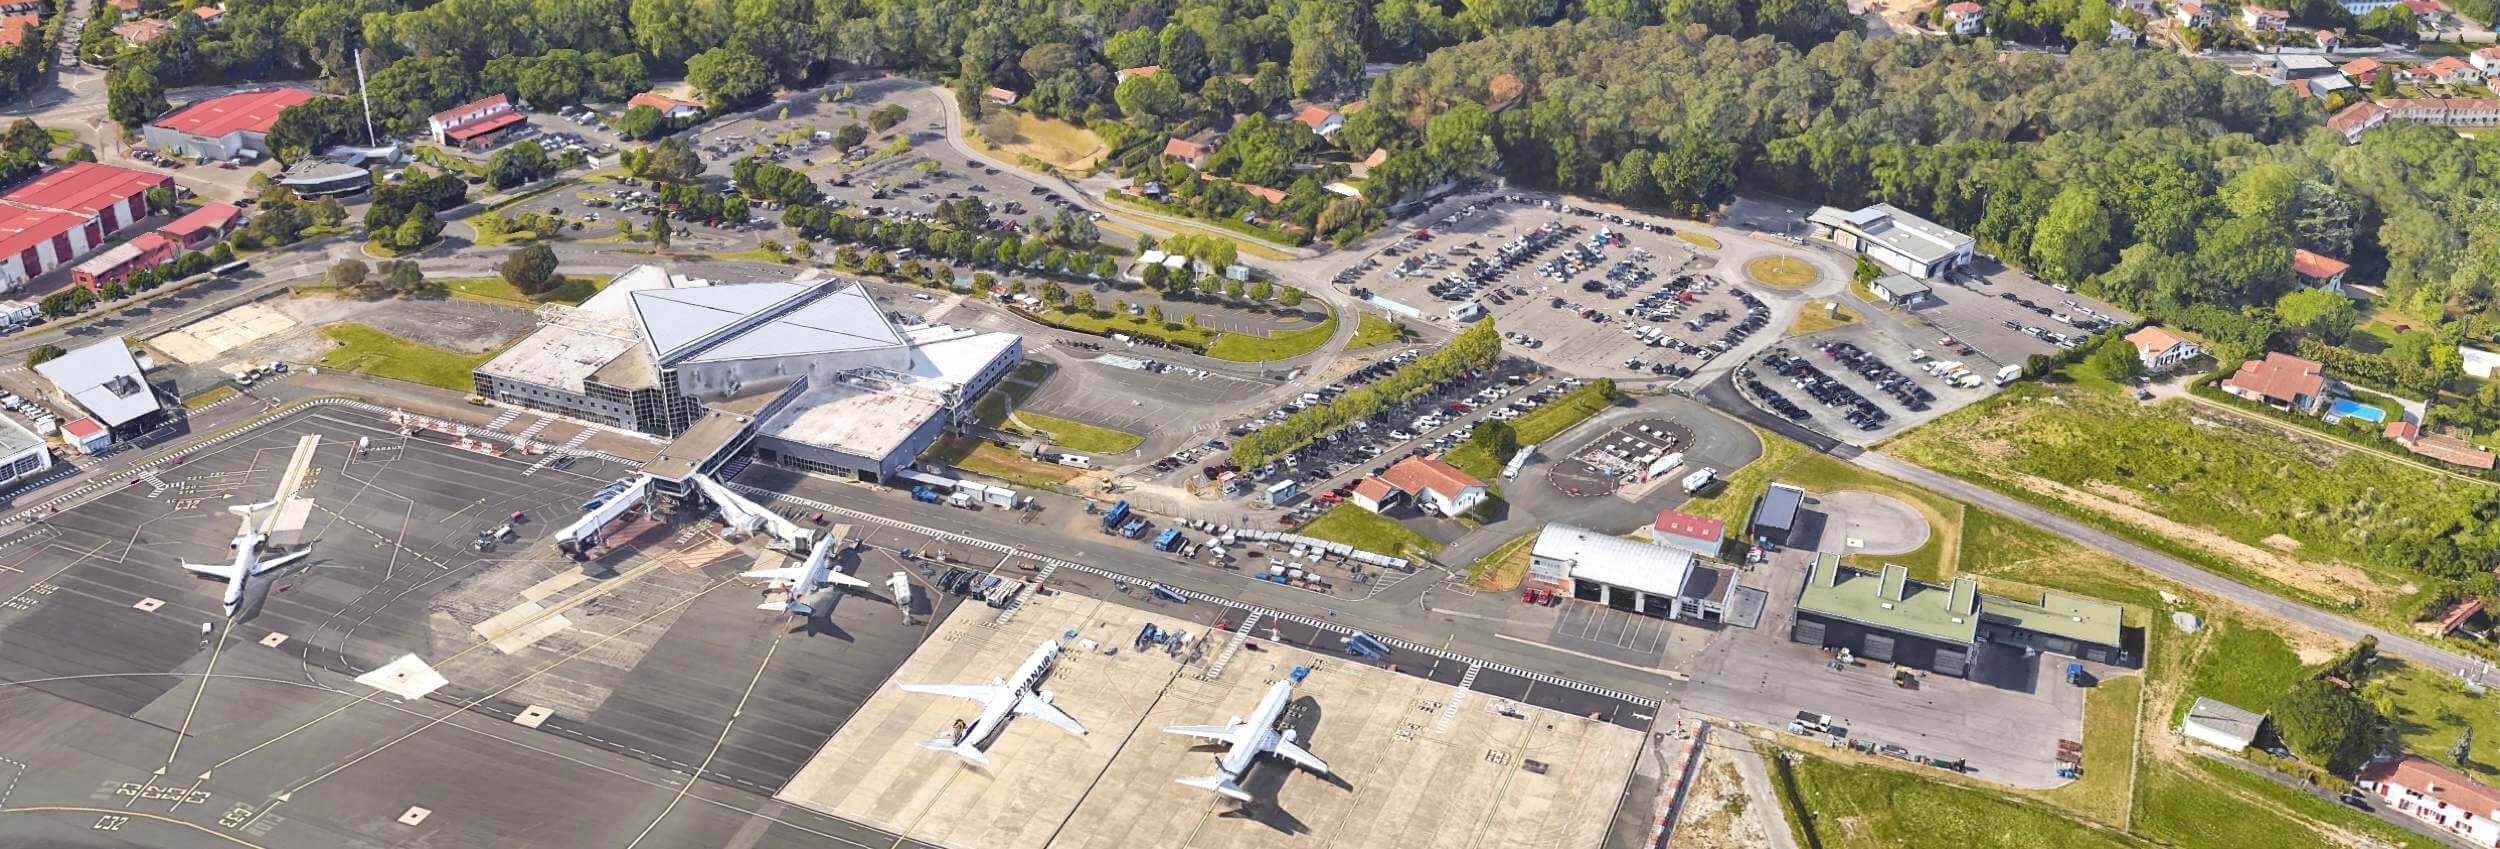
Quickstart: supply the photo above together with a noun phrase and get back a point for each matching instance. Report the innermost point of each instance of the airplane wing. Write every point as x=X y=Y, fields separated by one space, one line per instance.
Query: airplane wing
x=226 y=571
x=790 y=573
x=977 y=693
x=1304 y=759
x=267 y=565
x=1210 y=732
x=1044 y=711
x=837 y=578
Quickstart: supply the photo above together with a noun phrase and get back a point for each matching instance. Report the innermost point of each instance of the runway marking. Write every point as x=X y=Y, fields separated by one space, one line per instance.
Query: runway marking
x=5 y=792
x=498 y=692
x=717 y=743
x=205 y=675
x=122 y=817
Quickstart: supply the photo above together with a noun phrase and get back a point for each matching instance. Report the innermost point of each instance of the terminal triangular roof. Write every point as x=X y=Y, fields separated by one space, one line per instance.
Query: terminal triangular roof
x=842 y=320
x=675 y=320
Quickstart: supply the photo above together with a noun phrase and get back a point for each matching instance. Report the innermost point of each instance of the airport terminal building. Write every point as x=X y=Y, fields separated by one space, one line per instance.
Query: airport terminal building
x=811 y=372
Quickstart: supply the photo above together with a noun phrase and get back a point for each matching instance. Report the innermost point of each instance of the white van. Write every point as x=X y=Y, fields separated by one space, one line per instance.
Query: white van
x=1076 y=461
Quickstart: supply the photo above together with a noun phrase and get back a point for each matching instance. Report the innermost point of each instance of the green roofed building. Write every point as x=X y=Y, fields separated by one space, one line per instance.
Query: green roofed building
x=1887 y=617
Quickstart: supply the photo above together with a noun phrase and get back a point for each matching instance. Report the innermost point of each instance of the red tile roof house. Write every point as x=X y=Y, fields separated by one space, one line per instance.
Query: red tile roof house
x=224 y=127
x=2440 y=446
x=1435 y=486
x=143 y=30
x=1188 y=151
x=2281 y=381
x=1139 y=71
x=15 y=28
x=1965 y=18
x=2318 y=271
x=149 y=250
x=1374 y=494
x=669 y=107
x=2486 y=60
x=2163 y=350
x=1002 y=96
x=2452 y=70
x=2437 y=795
x=2364 y=70
x=198 y=228
x=1321 y=120
x=2261 y=19
x=475 y=124
x=1700 y=535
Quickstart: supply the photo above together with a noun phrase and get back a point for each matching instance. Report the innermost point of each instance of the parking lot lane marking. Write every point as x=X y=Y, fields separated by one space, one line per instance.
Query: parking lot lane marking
x=66 y=809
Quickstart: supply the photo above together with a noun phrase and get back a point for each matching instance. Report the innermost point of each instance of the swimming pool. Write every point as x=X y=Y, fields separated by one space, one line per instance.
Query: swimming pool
x=2346 y=408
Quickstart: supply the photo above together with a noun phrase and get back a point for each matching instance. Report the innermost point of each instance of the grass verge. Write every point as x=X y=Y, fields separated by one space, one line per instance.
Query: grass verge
x=1504 y=568
x=495 y=290
x=1539 y=425
x=1368 y=531
x=1813 y=320
x=1276 y=345
x=1374 y=330
x=1783 y=272
x=215 y=394
x=1698 y=240
x=1080 y=436
x=1732 y=501
x=365 y=350
x=982 y=458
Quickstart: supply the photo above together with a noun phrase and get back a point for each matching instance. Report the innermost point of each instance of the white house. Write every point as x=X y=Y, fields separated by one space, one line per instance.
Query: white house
x=1434 y=486
x=2221 y=725
x=2438 y=796
x=2193 y=15
x=2261 y=19
x=1965 y=18
x=2163 y=350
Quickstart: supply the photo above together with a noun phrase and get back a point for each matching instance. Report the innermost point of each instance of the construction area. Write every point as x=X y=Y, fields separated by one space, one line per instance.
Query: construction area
x=1400 y=748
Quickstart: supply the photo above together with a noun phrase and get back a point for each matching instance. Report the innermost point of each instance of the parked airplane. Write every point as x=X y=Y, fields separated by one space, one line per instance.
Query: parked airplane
x=998 y=700
x=1248 y=740
x=807 y=581
x=247 y=562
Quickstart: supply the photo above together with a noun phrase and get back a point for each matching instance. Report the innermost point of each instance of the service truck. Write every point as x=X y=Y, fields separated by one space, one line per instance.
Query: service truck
x=1694 y=483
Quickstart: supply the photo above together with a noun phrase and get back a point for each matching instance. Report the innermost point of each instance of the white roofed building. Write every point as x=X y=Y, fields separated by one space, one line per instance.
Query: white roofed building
x=1896 y=239
x=812 y=371
x=110 y=383
x=1627 y=574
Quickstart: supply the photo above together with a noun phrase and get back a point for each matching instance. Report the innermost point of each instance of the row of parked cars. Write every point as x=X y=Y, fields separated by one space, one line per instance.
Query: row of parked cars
x=1824 y=388
x=1891 y=382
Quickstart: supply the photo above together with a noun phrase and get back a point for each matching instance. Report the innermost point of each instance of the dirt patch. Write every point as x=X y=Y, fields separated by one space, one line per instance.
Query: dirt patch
x=2326 y=579
x=1901 y=14
x=1718 y=813
x=468 y=327
x=2282 y=543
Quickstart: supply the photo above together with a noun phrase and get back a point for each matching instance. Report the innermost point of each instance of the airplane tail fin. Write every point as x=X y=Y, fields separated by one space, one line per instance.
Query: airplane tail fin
x=246 y=510
x=1221 y=785
x=966 y=751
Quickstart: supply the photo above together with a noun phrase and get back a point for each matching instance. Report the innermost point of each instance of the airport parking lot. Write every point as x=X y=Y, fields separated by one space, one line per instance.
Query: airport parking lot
x=1596 y=293
x=1977 y=305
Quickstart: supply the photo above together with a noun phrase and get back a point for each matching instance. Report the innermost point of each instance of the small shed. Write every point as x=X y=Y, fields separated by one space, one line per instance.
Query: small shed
x=1900 y=290
x=2217 y=724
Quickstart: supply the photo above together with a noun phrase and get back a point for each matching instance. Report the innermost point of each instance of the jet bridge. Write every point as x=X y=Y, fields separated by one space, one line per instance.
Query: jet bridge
x=602 y=514
x=745 y=516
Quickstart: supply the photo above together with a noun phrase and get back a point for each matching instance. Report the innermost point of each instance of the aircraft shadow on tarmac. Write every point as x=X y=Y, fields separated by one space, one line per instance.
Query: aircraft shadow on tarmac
x=1267 y=775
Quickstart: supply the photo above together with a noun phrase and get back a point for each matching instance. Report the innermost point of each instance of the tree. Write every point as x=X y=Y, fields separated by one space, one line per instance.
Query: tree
x=1290 y=296
x=2069 y=241
x=43 y=354
x=1496 y=439
x=639 y=122
x=1083 y=300
x=660 y=228
x=2117 y=360
x=728 y=76
x=1152 y=99
x=849 y=136
x=2329 y=317
x=26 y=139
x=518 y=163
x=884 y=118
x=132 y=95
x=2325 y=724
x=349 y=274
x=402 y=277
x=531 y=269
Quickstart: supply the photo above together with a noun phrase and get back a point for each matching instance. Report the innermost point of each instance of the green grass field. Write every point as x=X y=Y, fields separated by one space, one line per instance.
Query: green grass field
x=982 y=458
x=366 y=350
x=2429 y=708
x=1276 y=345
x=2243 y=665
x=1368 y=531
x=1732 y=500
x=1131 y=325
x=494 y=290
x=1851 y=806
x=2212 y=805
x=1080 y=436
x=1010 y=392
x=1374 y=330
x=215 y=394
x=2107 y=787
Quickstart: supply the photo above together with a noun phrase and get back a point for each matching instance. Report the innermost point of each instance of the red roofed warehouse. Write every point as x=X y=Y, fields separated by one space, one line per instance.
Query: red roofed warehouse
x=2281 y=380
x=2437 y=795
x=224 y=127
x=63 y=215
x=114 y=265
x=475 y=124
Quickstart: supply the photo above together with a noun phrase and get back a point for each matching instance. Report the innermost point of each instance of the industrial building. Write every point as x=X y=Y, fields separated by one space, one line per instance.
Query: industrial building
x=110 y=383
x=233 y=126
x=474 y=125
x=22 y=453
x=1887 y=617
x=812 y=372
x=1895 y=239
x=66 y=214
x=1627 y=574
x=1775 y=514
